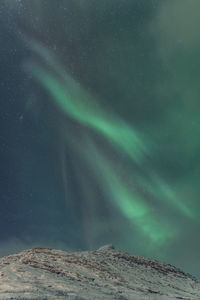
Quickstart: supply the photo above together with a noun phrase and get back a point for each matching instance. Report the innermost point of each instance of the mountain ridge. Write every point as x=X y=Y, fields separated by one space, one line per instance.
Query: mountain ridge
x=46 y=273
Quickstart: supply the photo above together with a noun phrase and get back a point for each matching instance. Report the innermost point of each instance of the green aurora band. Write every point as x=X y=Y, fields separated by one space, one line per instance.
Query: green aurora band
x=85 y=109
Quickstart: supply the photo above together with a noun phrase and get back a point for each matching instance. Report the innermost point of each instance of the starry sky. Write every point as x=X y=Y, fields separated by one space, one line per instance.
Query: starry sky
x=100 y=127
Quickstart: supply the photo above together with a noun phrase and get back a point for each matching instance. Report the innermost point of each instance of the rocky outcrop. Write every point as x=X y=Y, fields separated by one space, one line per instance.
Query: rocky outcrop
x=44 y=273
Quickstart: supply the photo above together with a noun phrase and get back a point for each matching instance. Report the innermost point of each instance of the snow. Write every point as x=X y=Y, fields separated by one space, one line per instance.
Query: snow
x=44 y=273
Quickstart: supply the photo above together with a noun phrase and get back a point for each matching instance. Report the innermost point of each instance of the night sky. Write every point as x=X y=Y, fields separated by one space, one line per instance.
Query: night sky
x=100 y=127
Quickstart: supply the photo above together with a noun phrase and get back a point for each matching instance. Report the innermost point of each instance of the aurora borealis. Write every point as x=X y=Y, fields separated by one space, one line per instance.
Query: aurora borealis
x=109 y=123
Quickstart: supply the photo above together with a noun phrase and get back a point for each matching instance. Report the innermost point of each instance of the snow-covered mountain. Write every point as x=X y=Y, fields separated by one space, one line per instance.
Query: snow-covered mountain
x=44 y=273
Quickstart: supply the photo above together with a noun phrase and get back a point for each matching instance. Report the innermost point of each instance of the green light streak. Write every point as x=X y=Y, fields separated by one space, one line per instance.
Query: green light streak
x=165 y=192
x=73 y=100
x=80 y=105
x=131 y=204
x=160 y=190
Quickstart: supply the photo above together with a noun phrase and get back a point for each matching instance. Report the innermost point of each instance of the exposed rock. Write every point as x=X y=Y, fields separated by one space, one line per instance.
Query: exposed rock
x=44 y=273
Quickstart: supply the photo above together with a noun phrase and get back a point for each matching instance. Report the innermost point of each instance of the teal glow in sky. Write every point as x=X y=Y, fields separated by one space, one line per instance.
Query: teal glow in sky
x=79 y=105
x=106 y=149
